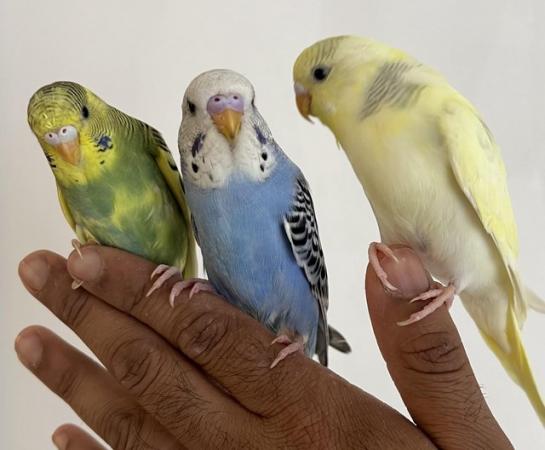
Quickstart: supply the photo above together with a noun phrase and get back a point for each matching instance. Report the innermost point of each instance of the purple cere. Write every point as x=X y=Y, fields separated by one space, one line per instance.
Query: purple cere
x=219 y=103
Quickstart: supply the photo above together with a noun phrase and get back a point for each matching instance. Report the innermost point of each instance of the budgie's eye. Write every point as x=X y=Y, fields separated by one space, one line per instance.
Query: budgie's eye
x=320 y=73
x=52 y=138
x=192 y=107
x=85 y=112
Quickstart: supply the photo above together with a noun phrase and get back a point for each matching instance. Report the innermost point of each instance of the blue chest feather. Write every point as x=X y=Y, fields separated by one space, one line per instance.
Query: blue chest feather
x=246 y=252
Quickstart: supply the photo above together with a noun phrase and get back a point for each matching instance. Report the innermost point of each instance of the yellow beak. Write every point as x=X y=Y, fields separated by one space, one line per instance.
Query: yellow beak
x=70 y=151
x=228 y=123
x=304 y=100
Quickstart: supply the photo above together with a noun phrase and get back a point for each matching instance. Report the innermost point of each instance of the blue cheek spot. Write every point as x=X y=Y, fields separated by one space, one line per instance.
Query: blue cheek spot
x=260 y=137
x=197 y=144
x=105 y=143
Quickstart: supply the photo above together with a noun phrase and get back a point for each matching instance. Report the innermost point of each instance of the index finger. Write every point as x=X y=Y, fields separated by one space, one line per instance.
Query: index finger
x=227 y=344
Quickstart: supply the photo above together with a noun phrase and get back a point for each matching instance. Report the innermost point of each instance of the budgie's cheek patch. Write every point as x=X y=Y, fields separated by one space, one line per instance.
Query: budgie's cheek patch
x=105 y=143
x=254 y=153
x=260 y=136
x=197 y=144
x=207 y=160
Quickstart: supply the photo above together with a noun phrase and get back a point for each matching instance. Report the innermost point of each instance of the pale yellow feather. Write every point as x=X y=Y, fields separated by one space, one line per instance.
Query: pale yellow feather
x=434 y=177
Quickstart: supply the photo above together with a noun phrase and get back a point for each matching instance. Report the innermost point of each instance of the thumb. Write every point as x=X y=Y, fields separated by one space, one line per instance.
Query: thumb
x=427 y=360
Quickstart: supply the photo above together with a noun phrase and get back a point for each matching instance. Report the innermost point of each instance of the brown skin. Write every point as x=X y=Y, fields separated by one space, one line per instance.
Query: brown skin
x=197 y=376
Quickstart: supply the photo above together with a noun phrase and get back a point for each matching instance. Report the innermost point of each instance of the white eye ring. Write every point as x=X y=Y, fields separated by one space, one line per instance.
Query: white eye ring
x=67 y=133
x=52 y=138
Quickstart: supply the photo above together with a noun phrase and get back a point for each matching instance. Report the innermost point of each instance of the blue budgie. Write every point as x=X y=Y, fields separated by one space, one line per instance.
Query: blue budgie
x=253 y=217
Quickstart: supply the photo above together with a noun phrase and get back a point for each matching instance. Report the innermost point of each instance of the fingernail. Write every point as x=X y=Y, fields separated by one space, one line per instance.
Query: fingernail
x=60 y=440
x=34 y=271
x=86 y=268
x=408 y=274
x=29 y=349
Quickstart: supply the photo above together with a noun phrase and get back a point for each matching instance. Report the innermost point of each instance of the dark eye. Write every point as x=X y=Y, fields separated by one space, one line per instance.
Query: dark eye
x=253 y=102
x=192 y=107
x=320 y=73
x=85 y=112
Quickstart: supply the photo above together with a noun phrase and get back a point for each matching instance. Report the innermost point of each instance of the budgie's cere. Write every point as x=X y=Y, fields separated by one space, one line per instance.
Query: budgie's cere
x=253 y=215
x=116 y=180
x=434 y=177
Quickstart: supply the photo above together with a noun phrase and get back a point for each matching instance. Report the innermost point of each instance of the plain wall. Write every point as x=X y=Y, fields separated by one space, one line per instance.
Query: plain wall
x=141 y=58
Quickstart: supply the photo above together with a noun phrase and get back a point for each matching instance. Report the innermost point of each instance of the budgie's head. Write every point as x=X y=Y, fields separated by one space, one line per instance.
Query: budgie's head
x=68 y=121
x=331 y=74
x=222 y=131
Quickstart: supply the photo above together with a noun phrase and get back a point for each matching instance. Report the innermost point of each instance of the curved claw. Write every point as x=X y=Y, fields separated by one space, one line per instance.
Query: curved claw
x=166 y=274
x=159 y=270
x=293 y=347
x=374 y=249
x=282 y=339
x=195 y=284
x=176 y=289
x=443 y=295
x=427 y=295
x=77 y=246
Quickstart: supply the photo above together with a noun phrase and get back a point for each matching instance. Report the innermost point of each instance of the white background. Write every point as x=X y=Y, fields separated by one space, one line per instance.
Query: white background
x=141 y=58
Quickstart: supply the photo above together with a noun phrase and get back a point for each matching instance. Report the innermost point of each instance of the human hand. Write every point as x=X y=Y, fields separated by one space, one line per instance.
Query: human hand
x=197 y=376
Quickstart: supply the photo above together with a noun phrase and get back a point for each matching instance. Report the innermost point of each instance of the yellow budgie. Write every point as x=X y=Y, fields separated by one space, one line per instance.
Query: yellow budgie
x=435 y=180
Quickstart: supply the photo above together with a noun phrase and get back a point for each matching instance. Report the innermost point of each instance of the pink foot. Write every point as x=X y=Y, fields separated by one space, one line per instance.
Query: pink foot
x=374 y=249
x=165 y=273
x=77 y=246
x=195 y=284
x=292 y=347
x=441 y=295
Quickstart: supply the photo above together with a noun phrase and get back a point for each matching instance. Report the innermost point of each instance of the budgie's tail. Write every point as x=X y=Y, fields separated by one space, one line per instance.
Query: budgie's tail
x=516 y=362
x=338 y=341
x=534 y=301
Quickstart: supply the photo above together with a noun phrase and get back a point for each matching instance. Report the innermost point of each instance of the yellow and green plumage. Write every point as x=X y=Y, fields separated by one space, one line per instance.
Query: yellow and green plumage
x=116 y=179
x=434 y=177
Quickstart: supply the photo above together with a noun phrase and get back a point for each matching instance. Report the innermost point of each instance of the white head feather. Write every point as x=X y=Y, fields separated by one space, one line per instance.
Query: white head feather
x=208 y=159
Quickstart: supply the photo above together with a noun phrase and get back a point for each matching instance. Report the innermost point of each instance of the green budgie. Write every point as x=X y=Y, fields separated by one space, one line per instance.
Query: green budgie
x=116 y=180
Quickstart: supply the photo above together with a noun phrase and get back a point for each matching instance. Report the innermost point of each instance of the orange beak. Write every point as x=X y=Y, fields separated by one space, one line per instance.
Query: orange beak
x=303 y=100
x=228 y=123
x=70 y=151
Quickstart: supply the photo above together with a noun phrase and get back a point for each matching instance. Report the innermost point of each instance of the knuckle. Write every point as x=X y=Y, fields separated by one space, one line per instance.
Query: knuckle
x=67 y=385
x=434 y=353
x=124 y=430
x=136 y=294
x=301 y=431
x=73 y=308
x=137 y=364
x=202 y=335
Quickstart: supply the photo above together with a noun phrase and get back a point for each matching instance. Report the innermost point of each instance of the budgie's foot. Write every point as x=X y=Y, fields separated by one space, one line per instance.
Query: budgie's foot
x=374 y=250
x=440 y=294
x=295 y=346
x=77 y=246
x=195 y=284
x=165 y=273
